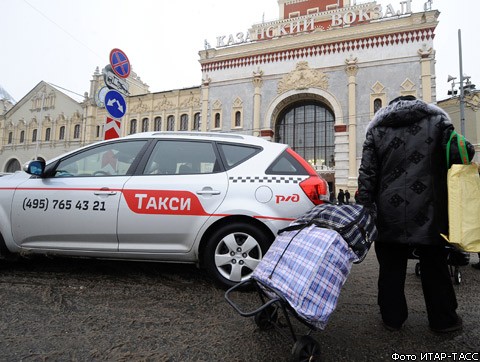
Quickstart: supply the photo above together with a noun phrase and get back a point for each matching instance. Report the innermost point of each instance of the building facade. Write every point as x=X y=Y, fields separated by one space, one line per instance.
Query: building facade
x=471 y=122
x=312 y=79
x=315 y=77
x=38 y=127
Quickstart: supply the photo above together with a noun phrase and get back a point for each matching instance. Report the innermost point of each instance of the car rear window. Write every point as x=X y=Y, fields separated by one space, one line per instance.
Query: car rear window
x=234 y=154
x=286 y=164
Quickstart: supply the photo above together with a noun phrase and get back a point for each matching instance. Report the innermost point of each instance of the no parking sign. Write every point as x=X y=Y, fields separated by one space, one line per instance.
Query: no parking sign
x=120 y=63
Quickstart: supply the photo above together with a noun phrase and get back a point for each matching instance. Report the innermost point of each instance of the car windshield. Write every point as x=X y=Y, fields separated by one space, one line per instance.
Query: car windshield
x=105 y=160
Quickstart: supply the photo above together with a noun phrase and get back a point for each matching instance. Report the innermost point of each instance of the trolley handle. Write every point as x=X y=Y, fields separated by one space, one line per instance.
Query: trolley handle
x=236 y=307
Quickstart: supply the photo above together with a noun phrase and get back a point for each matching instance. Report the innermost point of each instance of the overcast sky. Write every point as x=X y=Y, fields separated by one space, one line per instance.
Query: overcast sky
x=62 y=42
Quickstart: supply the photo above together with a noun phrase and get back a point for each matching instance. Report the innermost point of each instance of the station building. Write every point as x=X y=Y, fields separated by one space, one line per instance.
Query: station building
x=313 y=79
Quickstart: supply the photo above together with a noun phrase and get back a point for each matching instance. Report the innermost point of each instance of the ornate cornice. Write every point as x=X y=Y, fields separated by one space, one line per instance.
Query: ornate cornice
x=191 y=101
x=139 y=107
x=303 y=77
x=323 y=49
x=257 y=78
x=163 y=105
x=351 y=66
x=424 y=52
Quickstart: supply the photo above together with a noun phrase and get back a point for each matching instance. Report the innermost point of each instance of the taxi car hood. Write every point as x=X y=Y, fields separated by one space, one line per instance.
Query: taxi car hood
x=18 y=175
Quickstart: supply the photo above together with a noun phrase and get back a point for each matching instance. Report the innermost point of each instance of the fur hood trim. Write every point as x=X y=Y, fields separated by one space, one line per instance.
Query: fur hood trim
x=404 y=113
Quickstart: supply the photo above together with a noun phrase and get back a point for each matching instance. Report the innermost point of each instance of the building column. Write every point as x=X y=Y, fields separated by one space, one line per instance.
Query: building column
x=426 y=67
x=205 y=94
x=351 y=69
x=257 y=101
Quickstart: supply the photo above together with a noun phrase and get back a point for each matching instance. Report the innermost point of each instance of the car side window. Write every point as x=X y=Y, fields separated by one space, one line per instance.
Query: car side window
x=112 y=159
x=175 y=157
x=236 y=154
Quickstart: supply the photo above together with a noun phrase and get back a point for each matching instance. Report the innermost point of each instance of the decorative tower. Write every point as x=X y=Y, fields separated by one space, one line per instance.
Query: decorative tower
x=294 y=8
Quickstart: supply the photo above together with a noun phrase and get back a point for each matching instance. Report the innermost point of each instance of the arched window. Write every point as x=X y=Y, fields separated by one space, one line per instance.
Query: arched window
x=22 y=136
x=377 y=104
x=47 y=134
x=217 y=121
x=171 y=123
x=34 y=135
x=196 y=122
x=76 y=131
x=184 y=122
x=61 y=134
x=157 y=126
x=145 y=125
x=238 y=119
x=308 y=128
x=13 y=165
x=133 y=126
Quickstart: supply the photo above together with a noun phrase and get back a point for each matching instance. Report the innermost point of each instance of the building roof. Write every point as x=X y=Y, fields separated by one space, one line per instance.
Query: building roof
x=5 y=96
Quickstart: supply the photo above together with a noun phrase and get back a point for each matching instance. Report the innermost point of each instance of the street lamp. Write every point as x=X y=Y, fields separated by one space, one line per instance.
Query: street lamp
x=464 y=83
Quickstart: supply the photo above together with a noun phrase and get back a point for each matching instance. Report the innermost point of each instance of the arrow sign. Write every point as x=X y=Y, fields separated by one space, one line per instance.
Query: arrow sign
x=120 y=63
x=115 y=104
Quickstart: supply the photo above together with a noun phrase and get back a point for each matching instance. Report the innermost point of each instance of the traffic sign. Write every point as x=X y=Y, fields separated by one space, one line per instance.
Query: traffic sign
x=120 y=63
x=114 y=82
x=112 y=129
x=115 y=104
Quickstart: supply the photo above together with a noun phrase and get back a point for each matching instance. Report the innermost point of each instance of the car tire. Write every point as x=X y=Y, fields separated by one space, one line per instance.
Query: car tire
x=4 y=253
x=233 y=251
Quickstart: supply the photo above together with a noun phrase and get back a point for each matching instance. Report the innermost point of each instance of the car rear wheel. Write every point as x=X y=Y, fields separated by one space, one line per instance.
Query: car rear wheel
x=233 y=252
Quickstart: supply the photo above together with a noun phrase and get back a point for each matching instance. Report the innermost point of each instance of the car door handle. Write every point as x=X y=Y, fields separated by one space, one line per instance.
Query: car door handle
x=105 y=191
x=208 y=191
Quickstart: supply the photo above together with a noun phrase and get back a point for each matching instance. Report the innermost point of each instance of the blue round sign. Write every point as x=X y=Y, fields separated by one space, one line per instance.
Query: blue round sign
x=115 y=104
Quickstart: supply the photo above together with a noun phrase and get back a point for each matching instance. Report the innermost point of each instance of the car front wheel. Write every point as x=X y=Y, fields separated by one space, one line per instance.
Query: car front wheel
x=234 y=251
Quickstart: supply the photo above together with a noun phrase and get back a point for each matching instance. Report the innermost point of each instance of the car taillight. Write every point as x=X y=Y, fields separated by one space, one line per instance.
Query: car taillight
x=315 y=187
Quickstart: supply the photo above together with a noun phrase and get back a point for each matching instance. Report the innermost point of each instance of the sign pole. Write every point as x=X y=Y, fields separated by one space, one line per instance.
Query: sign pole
x=115 y=104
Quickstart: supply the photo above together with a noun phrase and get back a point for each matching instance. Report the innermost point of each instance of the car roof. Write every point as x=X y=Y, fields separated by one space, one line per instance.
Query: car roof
x=214 y=136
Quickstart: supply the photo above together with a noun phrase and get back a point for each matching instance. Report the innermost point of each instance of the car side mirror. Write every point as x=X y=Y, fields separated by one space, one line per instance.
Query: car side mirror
x=34 y=167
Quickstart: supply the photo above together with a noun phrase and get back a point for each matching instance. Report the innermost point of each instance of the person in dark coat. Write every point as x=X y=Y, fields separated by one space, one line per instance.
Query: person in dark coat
x=403 y=179
x=341 y=197
x=347 y=197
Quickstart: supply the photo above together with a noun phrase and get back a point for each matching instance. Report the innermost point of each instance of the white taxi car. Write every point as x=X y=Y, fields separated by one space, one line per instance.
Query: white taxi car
x=213 y=199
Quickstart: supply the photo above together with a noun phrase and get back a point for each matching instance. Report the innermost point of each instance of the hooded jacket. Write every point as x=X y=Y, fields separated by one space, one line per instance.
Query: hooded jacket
x=403 y=172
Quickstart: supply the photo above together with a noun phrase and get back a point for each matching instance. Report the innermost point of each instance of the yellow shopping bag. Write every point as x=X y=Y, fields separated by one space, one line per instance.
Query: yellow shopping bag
x=464 y=207
x=463 y=183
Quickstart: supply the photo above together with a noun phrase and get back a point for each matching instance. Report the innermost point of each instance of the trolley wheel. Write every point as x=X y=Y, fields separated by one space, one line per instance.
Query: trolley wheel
x=266 y=318
x=417 y=269
x=307 y=349
x=457 y=276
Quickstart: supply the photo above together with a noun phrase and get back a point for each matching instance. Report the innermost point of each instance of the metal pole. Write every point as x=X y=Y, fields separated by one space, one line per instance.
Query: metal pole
x=39 y=133
x=462 y=96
